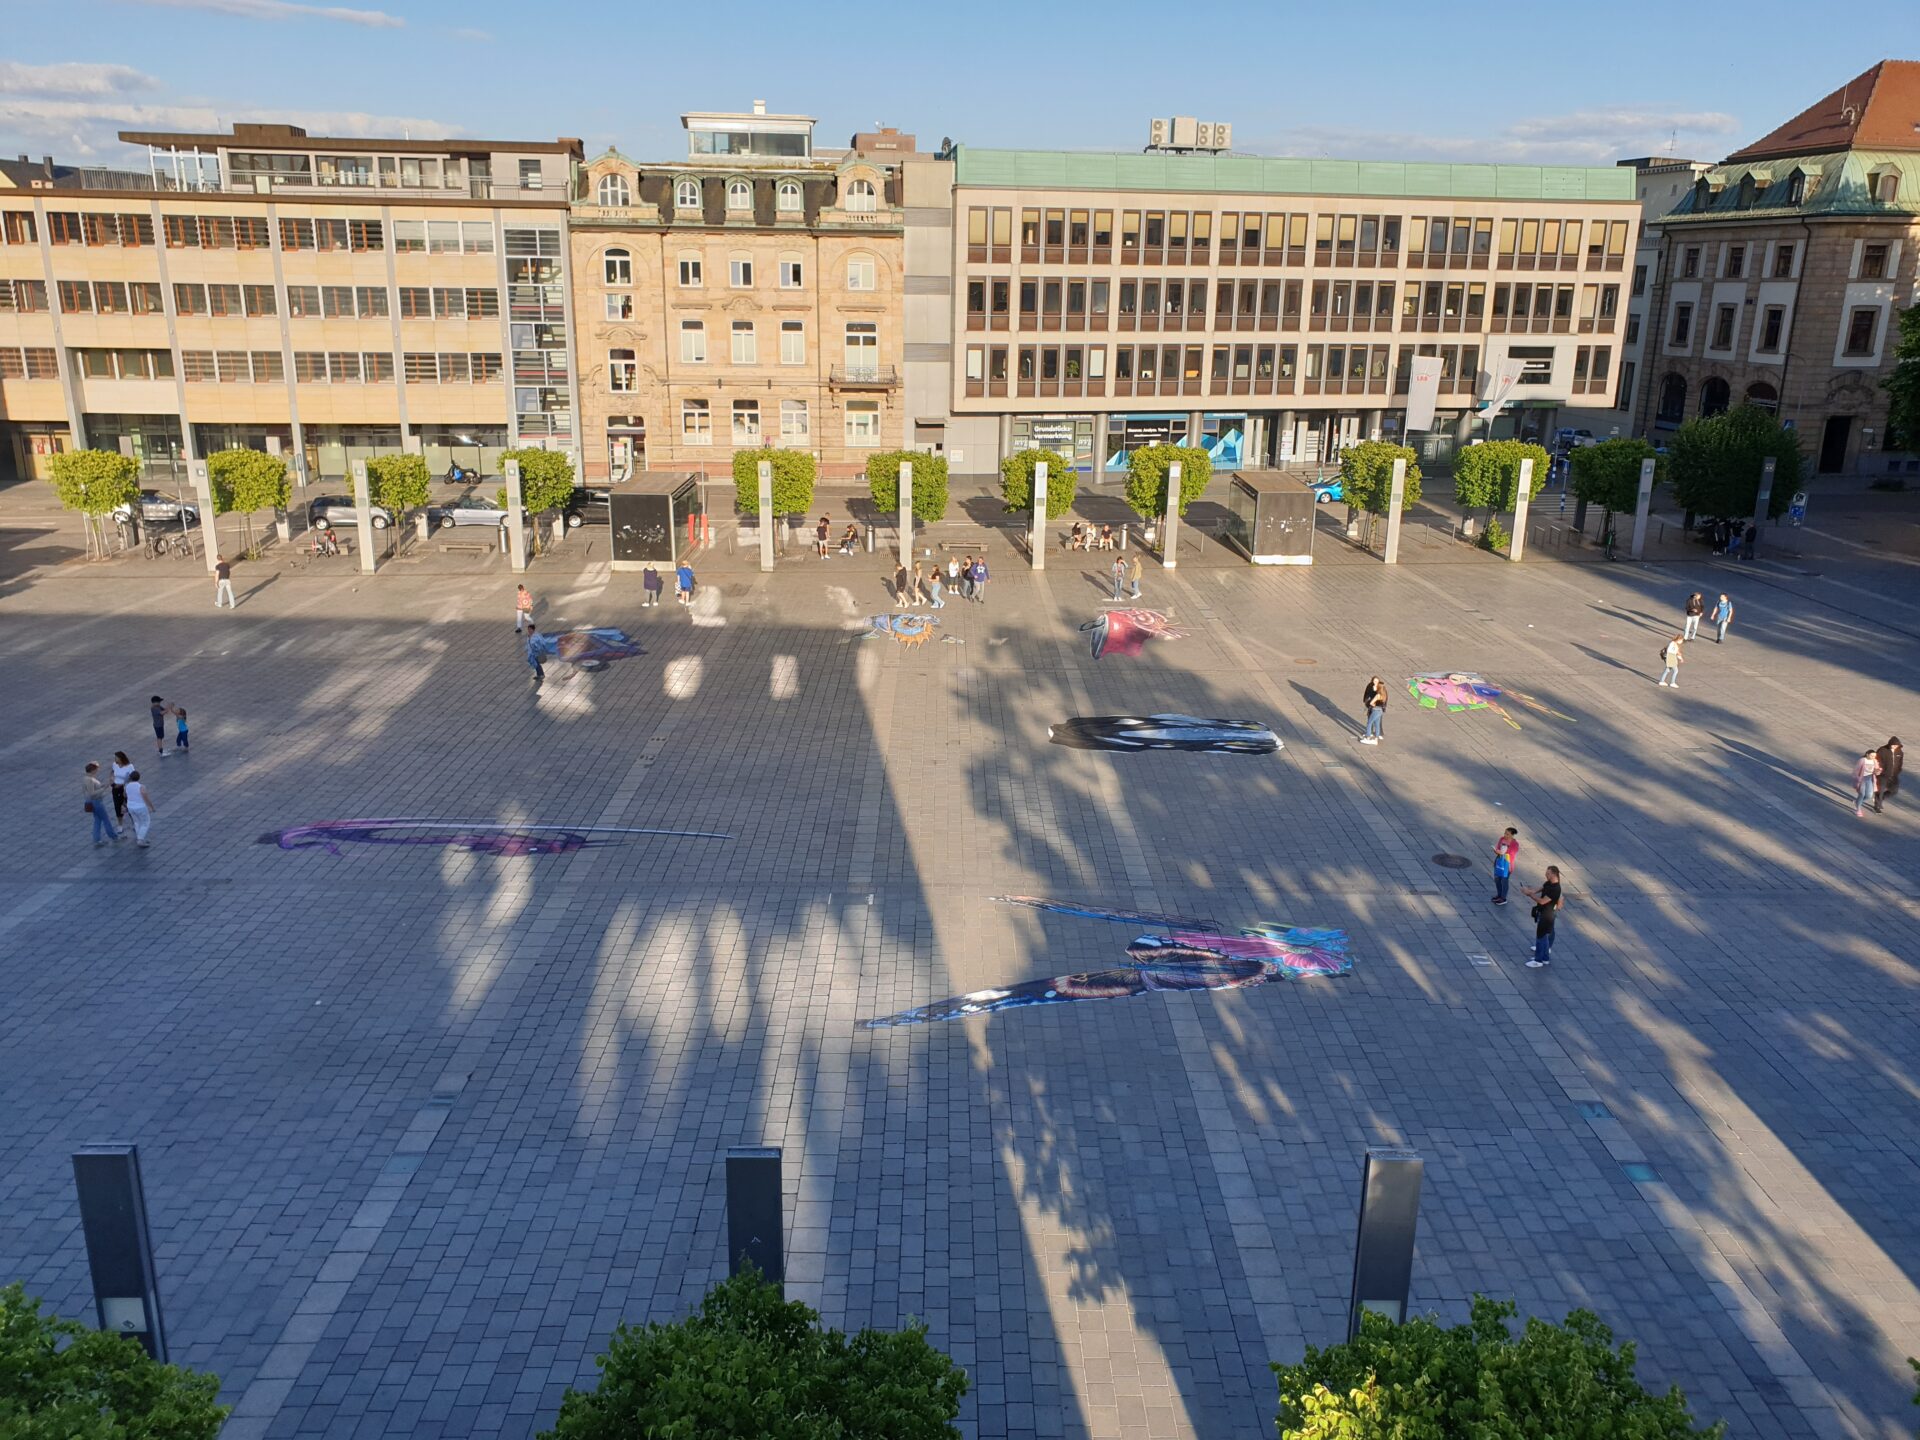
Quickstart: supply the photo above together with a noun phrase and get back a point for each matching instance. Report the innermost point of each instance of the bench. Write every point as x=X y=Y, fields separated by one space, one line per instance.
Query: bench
x=471 y=547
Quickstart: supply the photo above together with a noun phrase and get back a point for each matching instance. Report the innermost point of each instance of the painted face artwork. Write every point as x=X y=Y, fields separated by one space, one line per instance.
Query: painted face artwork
x=1183 y=959
x=1457 y=690
x=476 y=837
x=1164 y=732
x=909 y=630
x=589 y=648
x=1123 y=632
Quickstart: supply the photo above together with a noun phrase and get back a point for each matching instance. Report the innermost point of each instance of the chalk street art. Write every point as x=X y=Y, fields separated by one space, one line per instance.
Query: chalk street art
x=1188 y=957
x=909 y=630
x=1123 y=632
x=589 y=649
x=1164 y=732
x=476 y=837
x=1457 y=690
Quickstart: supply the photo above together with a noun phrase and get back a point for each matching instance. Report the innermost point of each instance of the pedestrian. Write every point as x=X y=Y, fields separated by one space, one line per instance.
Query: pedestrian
x=533 y=655
x=1119 y=568
x=820 y=534
x=850 y=541
x=94 y=789
x=966 y=577
x=936 y=592
x=522 y=609
x=1546 y=907
x=683 y=583
x=140 y=809
x=1134 y=571
x=1752 y=541
x=157 y=708
x=1722 y=618
x=179 y=727
x=223 y=583
x=917 y=585
x=1866 y=774
x=953 y=573
x=1672 y=659
x=651 y=583
x=1506 y=850
x=1891 y=758
x=980 y=579
x=902 y=597
x=1374 y=699
x=122 y=767
x=1696 y=607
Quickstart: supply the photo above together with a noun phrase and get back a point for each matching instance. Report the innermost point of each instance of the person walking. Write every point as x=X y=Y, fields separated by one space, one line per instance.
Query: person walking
x=1119 y=568
x=94 y=789
x=1752 y=541
x=902 y=596
x=1546 y=908
x=918 y=585
x=140 y=809
x=936 y=592
x=1866 y=775
x=651 y=583
x=533 y=655
x=980 y=578
x=223 y=583
x=522 y=609
x=122 y=767
x=157 y=709
x=683 y=583
x=1722 y=618
x=850 y=541
x=1374 y=699
x=1506 y=851
x=1696 y=607
x=179 y=728
x=1134 y=571
x=1672 y=659
x=1887 y=785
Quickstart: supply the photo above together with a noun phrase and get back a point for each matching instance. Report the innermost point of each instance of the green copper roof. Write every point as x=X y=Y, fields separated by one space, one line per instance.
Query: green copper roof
x=1837 y=182
x=1271 y=175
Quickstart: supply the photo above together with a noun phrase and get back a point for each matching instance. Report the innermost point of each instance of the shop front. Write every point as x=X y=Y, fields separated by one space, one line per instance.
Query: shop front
x=1222 y=436
x=1068 y=435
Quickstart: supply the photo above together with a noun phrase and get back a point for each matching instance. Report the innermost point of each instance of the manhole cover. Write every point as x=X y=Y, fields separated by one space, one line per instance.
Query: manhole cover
x=1301 y=660
x=1452 y=862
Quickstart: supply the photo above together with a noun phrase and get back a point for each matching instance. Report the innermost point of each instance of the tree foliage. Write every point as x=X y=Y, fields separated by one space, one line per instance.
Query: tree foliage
x=1903 y=385
x=1366 y=475
x=1488 y=475
x=1477 y=1380
x=60 y=1380
x=1147 y=470
x=399 y=482
x=1016 y=481
x=94 y=481
x=1715 y=463
x=748 y=1362
x=793 y=472
x=929 y=483
x=244 y=481
x=546 y=478
x=1608 y=474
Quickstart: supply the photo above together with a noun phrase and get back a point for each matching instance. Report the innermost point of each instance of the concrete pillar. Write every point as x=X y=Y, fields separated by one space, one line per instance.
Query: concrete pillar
x=203 y=492
x=1640 y=508
x=1762 y=502
x=1520 y=500
x=766 y=515
x=1039 y=542
x=516 y=518
x=1396 y=502
x=1170 y=526
x=363 y=516
x=906 y=513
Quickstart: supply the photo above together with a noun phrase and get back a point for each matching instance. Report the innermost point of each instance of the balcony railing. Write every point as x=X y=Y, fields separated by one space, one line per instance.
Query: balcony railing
x=864 y=377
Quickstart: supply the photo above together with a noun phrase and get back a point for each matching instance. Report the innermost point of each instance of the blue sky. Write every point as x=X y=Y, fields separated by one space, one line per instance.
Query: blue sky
x=1527 y=83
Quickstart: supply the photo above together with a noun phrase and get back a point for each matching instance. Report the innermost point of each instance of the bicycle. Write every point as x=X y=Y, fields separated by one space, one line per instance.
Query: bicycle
x=1606 y=542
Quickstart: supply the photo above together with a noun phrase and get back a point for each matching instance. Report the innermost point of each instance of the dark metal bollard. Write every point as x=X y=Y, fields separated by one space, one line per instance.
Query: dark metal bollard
x=755 y=1225
x=1383 y=1249
x=113 y=1217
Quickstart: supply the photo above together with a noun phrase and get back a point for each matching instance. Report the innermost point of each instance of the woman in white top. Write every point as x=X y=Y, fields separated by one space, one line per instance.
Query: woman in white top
x=122 y=768
x=140 y=808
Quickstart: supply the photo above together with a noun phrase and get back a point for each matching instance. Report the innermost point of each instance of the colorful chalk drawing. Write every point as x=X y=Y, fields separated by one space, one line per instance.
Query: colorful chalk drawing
x=909 y=630
x=589 y=649
x=1191 y=956
x=477 y=837
x=1458 y=690
x=1123 y=632
x=1164 y=732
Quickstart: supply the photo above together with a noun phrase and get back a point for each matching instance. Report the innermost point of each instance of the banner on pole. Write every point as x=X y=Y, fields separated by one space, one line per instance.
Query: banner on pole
x=1423 y=392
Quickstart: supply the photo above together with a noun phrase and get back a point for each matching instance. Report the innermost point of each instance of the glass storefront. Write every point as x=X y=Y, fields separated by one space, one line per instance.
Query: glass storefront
x=471 y=447
x=154 y=440
x=332 y=449
x=1068 y=435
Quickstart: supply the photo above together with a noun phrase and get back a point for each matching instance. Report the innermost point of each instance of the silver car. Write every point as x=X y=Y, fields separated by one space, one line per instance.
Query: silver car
x=339 y=512
x=157 y=508
x=469 y=510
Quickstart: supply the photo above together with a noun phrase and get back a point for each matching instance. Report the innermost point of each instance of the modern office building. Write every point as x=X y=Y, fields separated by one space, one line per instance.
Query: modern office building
x=1781 y=269
x=1270 y=309
x=744 y=296
x=325 y=297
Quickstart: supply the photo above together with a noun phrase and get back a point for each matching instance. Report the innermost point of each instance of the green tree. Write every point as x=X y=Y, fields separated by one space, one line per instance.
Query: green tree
x=1487 y=475
x=1477 y=1380
x=1147 y=470
x=1366 y=478
x=399 y=483
x=1608 y=474
x=1903 y=385
x=546 y=479
x=793 y=472
x=1715 y=463
x=748 y=1362
x=60 y=1380
x=245 y=481
x=1016 y=481
x=929 y=483
x=93 y=482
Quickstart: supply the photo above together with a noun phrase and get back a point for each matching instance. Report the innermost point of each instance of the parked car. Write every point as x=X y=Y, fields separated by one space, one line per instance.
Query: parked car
x=157 y=508
x=589 y=504
x=467 y=510
x=339 y=512
x=1327 y=491
x=1565 y=439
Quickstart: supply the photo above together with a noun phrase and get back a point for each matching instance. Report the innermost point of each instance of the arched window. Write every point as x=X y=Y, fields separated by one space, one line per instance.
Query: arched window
x=686 y=195
x=1762 y=396
x=1796 y=187
x=1673 y=400
x=787 y=197
x=1715 y=396
x=622 y=372
x=862 y=197
x=1884 y=186
x=617 y=266
x=739 y=195
x=614 y=190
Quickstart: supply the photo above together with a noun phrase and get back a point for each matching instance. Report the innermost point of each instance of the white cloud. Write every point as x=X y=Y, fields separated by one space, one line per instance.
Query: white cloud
x=282 y=10
x=71 y=79
x=1581 y=137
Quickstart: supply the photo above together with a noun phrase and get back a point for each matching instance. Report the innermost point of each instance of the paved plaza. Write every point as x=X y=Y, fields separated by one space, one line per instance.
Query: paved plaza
x=420 y=1126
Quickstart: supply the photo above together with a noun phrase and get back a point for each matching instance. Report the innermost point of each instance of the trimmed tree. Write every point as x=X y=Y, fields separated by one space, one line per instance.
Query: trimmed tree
x=1016 y=481
x=1487 y=476
x=929 y=483
x=546 y=479
x=399 y=483
x=1608 y=474
x=1419 y=1379
x=1147 y=471
x=793 y=472
x=748 y=1362
x=1903 y=385
x=1715 y=463
x=93 y=482
x=1366 y=479
x=59 y=1378
x=246 y=481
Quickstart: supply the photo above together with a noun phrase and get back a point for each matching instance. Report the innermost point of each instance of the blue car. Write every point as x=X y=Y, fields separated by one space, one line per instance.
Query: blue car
x=1325 y=491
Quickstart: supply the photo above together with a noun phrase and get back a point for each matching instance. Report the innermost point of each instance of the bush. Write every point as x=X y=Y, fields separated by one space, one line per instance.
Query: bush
x=792 y=481
x=750 y=1363
x=244 y=481
x=1608 y=474
x=1366 y=475
x=929 y=483
x=1016 y=481
x=399 y=482
x=1147 y=477
x=1488 y=475
x=1495 y=537
x=1715 y=463
x=546 y=479
x=1476 y=1379
x=60 y=1380
x=94 y=481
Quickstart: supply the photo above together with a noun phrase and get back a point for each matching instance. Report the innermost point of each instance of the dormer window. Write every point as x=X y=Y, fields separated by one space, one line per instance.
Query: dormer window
x=1797 y=187
x=1884 y=186
x=739 y=196
x=614 y=190
x=787 y=197
x=862 y=198
x=686 y=195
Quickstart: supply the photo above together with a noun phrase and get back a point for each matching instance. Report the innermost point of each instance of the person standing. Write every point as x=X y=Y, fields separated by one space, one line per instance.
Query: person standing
x=651 y=583
x=936 y=596
x=223 y=583
x=1752 y=539
x=953 y=573
x=1722 y=618
x=94 y=790
x=122 y=767
x=1119 y=568
x=1891 y=758
x=1672 y=659
x=533 y=654
x=683 y=583
x=1546 y=908
x=820 y=534
x=1134 y=572
x=966 y=577
x=1506 y=851
x=980 y=578
x=140 y=809
x=902 y=596
x=917 y=585
x=1696 y=607
x=522 y=609
x=180 y=728
x=1374 y=699
x=1866 y=774
x=157 y=709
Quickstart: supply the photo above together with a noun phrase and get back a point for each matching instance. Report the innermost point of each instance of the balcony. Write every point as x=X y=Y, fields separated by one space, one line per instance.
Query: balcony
x=863 y=377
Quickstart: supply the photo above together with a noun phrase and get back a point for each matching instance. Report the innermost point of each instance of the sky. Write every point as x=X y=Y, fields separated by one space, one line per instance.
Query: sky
x=1533 y=83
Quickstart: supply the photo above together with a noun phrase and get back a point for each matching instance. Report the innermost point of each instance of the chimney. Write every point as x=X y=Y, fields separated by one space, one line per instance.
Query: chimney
x=46 y=165
x=759 y=107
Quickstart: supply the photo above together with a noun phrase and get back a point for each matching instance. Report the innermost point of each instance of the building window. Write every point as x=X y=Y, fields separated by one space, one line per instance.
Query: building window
x=1862 y=324
x=862 y=273
x=1633 y=329
x=619 y=306
x=1796 y=187
x=739 y=196
x=793 y=342
x=794 y=421
x=746 y=350
x=614 y=190
x=696 y=422
x=1682 y=335
x=1690 y=263
x=740 y=272
x=1873 y=262
x=1673 y=400
x=786 y=197
x=617 y=265
x=1639 y=279
x=686 y=195
x=863 y=350
x=1736 y=262
x=976 y=363
x=1715 y=396
x=530 y=177
x=1723 y=327
x=693 y=342
x=623 y=372
x=1773 y=322
x=862 y=198
x=790 y=274
x=690 y=272
x=1884 y=186
x=1783 y=261
x=1625 y=400
x=1762 y=396
x=863 y=422
x=746 y=422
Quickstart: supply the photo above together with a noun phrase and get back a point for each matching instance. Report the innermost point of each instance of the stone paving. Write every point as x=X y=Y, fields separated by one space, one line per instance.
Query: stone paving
x=420 y=1127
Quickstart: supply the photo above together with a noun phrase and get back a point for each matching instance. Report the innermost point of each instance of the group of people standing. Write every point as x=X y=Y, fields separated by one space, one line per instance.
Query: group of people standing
x=1673 y=653
x=1876 y=777
x=131 y=804
x=1547 y=900
x=968 y=577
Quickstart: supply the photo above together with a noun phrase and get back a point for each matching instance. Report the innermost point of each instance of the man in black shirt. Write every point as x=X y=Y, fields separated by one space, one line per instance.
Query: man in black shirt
x=1546 y=906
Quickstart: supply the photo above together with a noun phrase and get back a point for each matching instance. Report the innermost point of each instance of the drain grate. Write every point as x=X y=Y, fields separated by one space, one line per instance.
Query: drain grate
x=1452 y=862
